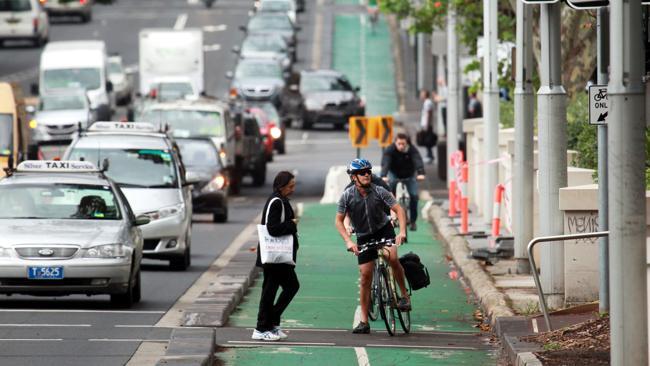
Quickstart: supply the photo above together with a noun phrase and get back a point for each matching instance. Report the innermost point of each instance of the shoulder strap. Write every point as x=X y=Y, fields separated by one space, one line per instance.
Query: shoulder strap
x=266 y=222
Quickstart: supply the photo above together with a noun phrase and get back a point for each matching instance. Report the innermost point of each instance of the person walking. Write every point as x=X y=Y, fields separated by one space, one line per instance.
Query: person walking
x=474 y=107
x=426 y=122
x=281 y=221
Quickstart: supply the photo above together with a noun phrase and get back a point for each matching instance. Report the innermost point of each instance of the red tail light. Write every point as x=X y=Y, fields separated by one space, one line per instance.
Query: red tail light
x=83 y=2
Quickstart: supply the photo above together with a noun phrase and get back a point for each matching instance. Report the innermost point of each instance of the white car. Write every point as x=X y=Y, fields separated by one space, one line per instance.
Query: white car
x=122 y=86
x=283 y=6
x=81 y=8
x=23 y=20
x=59 y=116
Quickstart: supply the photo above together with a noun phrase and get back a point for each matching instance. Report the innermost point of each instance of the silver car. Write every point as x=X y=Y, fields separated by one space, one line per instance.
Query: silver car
x=67 y=229
x=81 y=8
x=59 y=115
x=146 y=165
x=122 y=86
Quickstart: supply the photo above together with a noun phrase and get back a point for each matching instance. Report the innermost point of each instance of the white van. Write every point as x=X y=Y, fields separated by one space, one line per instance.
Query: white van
x=81 y=65
x=23 y=20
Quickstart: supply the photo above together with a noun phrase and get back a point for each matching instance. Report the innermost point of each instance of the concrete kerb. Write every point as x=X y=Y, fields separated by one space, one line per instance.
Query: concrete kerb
x=190 y=347
x=492 y=300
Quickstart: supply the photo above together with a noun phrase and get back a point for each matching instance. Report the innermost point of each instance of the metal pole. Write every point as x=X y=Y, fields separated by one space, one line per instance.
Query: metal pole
x=603 y=64
x=551 y=99
x=627 y=194
x=421 y=61
x=453 y=120
x=491 y=103
x=523 y=182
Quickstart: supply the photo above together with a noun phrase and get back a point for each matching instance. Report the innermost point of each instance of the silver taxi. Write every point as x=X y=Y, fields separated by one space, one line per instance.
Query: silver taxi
x=146 y=164
x=67 y=229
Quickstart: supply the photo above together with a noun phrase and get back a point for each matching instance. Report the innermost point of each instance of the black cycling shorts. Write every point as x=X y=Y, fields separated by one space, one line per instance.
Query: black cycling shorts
x=387 y=232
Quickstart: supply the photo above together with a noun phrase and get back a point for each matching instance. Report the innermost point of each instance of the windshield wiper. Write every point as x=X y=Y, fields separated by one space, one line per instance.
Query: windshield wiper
x=132 y=185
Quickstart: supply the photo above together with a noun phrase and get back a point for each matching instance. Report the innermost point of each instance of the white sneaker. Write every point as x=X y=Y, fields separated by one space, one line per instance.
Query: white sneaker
x=265 y=336
x=278 y=332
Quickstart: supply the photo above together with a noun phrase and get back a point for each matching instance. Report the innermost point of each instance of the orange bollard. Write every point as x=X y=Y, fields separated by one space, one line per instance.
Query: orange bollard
x=496 y=210
x=455 y=160
x=464 y=199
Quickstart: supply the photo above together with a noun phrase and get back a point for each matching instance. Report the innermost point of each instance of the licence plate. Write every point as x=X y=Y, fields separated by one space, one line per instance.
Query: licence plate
x=45 y=273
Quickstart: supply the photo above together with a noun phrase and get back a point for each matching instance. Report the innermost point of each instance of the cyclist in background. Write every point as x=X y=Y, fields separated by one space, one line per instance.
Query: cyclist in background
x=401 y=161
x=372 y=7
x=365 y=203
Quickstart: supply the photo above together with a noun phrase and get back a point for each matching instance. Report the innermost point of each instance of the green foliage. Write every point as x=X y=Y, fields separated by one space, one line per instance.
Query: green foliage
x=507 y=113
x=581 y=136
x=552 y=346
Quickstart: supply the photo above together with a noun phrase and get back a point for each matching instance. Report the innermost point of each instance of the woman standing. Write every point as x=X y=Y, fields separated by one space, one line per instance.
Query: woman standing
x=281 y=221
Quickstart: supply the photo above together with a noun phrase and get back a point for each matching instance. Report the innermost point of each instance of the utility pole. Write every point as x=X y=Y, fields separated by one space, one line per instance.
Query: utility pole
x=603 y=243
x=491 y=103
x=524 y=173
x=551 y=102
x=453 y=98
x=627 y=211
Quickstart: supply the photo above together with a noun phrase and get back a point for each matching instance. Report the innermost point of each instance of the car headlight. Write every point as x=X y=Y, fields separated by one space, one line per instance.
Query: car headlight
x=166 y=212
x=5 y=252
x=33 y=124
x=108 y=251
x=217 y=183
x=285 y=62
x=276 y=133
x=312 y=104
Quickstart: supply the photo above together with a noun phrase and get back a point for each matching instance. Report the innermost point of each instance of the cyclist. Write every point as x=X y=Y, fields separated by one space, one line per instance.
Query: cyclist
x=401 y=161
x=365 y=203
x=372 y=7
x=374 y=179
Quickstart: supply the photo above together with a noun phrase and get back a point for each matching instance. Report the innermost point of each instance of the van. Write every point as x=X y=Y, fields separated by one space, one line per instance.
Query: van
x=78 y=65
x=13 y=128
x=23 y=20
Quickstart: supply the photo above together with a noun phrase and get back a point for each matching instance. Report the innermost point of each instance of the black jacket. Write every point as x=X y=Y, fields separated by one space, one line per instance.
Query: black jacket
x=276 y=226
x=403 y=165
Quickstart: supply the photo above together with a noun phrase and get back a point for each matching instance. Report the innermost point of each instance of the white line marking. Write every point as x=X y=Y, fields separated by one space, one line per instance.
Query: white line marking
x=45 y=325
x=192 y=2
x=126 y=340
x=362 y=356
x=357 y=316
x=180 y=22
x=308 y=330
x=211 y=47
x=79 y=311
x=535 y=328
x=286 y=343
x=407 y=346
x=215 y=28
x=31 y=339
x=154 y=326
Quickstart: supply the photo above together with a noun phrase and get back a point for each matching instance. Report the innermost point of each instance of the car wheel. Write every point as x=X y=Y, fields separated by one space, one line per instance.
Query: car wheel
x=181 y=263
x=259 y=174
x=282 y=148
x=269 y=157
x=127 y=299
x=137 y=289
x=220 y=217
x=235 y=178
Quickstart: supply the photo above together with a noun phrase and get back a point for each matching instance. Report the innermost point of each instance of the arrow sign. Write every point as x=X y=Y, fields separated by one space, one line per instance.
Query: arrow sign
x=361 y=134
x=602 y=117
x=358 y=132
x=598 y=104
x=386 y=131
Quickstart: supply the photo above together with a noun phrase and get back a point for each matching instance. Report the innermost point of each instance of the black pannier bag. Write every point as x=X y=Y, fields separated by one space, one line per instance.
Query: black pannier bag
x=416 y=273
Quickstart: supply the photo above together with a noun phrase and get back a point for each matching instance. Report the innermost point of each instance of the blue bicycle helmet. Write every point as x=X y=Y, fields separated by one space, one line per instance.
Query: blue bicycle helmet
x=359 y=164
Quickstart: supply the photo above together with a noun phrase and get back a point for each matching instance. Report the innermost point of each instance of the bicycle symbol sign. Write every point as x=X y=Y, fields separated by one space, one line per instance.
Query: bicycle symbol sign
x=598 y=104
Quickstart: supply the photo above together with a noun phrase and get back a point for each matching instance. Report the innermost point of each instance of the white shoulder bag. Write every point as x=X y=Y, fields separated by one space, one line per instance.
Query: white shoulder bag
x=275 y=249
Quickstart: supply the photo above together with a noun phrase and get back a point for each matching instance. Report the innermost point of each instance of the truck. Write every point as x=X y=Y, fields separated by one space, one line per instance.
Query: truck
x=14 y=134
x=165 y=53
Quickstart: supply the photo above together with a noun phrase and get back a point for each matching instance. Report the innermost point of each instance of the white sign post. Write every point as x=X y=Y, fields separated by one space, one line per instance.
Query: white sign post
x=598 y=105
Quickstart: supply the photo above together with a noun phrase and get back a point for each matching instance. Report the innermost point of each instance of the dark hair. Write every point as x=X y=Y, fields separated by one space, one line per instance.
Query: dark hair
x=402 y=136
x=426 y=92
x=281 y=180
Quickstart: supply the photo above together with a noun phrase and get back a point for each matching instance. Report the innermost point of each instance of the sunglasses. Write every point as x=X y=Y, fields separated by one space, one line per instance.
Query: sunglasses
x=363 y=172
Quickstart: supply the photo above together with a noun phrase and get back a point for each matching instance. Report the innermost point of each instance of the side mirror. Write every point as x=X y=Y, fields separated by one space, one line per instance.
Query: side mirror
x=243 y=28
x=109 y=87
x=236 y=49
x=192 y=177
x=33 y=88
x=141 y=220
x=230 y=75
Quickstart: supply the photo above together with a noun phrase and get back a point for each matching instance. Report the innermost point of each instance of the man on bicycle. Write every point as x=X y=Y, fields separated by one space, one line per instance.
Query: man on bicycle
x=365 y=203
x=403 y=162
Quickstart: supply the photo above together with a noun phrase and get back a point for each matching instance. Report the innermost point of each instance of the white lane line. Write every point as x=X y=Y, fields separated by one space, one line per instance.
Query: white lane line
x=215 y=28
x=154 y=326
x=80 y=311
x=423 y=347
x=211 y=47
x=535 y=327
x=362 y=356
x=126 y=340
x=357 y=316
x=285 y=343
x=180 y=22
x=45 y=325
x=307 y=330
x=31 y=339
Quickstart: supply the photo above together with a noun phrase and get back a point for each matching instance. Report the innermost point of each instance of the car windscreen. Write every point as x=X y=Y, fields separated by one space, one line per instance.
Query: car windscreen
x=275 y=6
x=15 y=5
x=114 y=67
x=6 y=128
x=170 y=91
x=263 y=44
x=134 y=168
x=258 y=69
x=198 y=153
x=266 y=22
x=58 y=201
x=84 y=78
x=188 y=123
x=312 y=83
x=61 y=102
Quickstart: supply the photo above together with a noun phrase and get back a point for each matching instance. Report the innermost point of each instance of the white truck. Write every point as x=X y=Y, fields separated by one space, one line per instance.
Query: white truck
x=168 y=53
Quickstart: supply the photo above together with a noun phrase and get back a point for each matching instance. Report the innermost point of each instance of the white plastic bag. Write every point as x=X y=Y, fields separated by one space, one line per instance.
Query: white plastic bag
x=275 y=249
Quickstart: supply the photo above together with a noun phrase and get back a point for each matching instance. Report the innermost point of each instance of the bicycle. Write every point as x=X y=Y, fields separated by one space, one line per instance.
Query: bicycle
x=404 y=200
x=384 y=291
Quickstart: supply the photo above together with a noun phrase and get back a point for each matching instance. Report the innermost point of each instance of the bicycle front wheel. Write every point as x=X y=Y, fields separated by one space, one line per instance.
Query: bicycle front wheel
x=386 y=302
x=373 y=311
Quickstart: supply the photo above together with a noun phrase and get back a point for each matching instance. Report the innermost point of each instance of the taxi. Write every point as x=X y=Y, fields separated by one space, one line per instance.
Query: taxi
x=145 y=162
x=65 y=228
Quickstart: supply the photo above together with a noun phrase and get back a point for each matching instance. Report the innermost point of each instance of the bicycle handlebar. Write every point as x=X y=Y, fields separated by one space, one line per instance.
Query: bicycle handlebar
x=376 y=244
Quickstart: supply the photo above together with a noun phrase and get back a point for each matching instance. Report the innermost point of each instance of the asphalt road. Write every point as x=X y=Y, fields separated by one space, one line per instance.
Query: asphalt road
x=79 y=330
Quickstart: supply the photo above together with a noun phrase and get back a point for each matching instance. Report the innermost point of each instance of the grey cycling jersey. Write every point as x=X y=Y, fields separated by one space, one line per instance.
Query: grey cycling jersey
x=367 y=214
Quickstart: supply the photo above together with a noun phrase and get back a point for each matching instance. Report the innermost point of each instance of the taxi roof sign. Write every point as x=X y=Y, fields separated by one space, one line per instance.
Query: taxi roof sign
x=53 y=166
x=122 y=127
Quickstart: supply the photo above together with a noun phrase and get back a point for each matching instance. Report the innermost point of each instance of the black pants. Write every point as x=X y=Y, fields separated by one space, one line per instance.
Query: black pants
x=276 y=275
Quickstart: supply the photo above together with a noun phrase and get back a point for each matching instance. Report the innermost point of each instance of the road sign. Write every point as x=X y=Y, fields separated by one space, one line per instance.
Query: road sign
x=598 y=105
x=385 y=137
x=358 y=131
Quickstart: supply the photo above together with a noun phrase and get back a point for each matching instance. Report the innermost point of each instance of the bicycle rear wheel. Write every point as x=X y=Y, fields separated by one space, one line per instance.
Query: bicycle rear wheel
x=386 y=302
x=373 y=310
x=404 y=316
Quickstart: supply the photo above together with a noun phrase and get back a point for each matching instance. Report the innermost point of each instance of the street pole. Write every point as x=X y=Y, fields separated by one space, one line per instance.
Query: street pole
x=421 y=61
x=552 y=140
x=603 y=64
x=491 y=103
x=453 y=98
x=524 y=137
x=627 y=194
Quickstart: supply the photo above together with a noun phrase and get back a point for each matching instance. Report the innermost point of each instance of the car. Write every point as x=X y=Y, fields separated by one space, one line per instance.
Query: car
x=266 y=46
x=323 y=96
x=167 y=89
x=146 y=164
x=265 y=130
x=122 y=86
x=210 y=194
x=59 y=116
x=287 y=7
x=68 y=229
x=81 y=8
x=274 y=125
x=239 y=145
x=23 y=20
x=257 y=79
x=274 y=23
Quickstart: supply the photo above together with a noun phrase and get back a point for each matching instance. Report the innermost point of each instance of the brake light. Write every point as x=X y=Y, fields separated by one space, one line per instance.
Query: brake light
x=233 y=93
x=83 y=2
x=42 y=1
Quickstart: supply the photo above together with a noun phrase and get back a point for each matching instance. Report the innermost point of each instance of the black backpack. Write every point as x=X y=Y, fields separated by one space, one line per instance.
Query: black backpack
x=416 y=273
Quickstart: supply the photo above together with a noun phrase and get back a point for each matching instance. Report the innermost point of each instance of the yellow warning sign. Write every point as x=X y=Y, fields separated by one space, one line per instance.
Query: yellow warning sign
x=385 y=131
x=358 y=131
